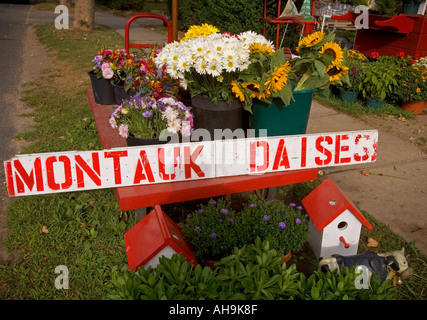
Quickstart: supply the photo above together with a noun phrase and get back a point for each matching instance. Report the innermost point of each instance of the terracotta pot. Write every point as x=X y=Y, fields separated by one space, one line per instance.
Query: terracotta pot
x=210 y=263
x=416 y=107
x=286 y=257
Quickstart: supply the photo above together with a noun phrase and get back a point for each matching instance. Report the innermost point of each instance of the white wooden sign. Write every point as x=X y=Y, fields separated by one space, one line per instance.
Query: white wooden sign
x=83 y=170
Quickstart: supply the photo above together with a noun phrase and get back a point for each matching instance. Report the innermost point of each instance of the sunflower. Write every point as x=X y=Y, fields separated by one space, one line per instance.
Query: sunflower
x=279 y=78
x=237 y=91
x=253 y=88
x=336 y=71
x=333 y=49
x=311 y=39
x=261 y=48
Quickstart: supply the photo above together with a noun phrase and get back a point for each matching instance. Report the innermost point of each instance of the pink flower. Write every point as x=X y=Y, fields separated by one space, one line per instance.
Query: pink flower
x=123 y=130
x=107 y=73
x=105 y=65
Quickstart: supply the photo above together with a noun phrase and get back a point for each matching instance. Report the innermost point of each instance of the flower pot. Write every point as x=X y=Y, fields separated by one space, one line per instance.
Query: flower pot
x=416 y=107
x=103 y=91
x=373 y=103
x=134 y=141
x=348 y=96
x=120 y=93
x=280 y=120
x=222 y=116
x=287 y=257
x=410 y=7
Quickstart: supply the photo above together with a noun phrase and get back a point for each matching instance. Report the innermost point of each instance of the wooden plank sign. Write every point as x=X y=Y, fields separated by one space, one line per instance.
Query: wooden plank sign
x=84 y=170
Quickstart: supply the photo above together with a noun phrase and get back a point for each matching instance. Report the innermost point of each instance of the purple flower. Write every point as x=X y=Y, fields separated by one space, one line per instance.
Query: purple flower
x=147 y=114
x=282 y=225
x=188 y=215
x=213 y=235
x=197 y=228
x=292 y=204
x=266 y=217
x=252 y=205
x=220 y=220
x=213 y=202
x=224 y=211
x=201 y=211
x=300 y=208
x=297 y=221
x=231 y=220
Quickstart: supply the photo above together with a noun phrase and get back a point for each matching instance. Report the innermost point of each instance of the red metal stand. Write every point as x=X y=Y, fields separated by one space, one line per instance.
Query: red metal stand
x=400 y=35
x=145 y=15
x=143 y=196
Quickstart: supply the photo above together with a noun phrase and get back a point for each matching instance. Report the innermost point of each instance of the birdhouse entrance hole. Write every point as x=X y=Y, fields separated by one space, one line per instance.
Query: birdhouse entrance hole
x=342 y=225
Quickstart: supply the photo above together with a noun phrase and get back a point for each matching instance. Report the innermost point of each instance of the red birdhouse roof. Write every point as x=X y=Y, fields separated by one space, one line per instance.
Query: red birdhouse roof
x=327 y=202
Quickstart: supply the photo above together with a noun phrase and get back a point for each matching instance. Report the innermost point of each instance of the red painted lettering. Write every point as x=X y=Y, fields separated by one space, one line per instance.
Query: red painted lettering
x=303 y=152
x=162 y=169
x=281 y=158
x=143 y=166
x=252 y=156
x=340 y=148
x=116 y=155
x=22 y=177
x=93 y=173
x=356 y=156
x=189 y=162
x=326 y=152
x=50 y=173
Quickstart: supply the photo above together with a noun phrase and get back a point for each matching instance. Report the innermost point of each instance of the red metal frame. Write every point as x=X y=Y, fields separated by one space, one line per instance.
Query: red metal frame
x=143 y=196
x=309 y=25
x=145 y=15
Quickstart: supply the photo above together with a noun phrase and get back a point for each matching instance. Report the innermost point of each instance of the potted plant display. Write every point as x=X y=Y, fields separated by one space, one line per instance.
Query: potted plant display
x=355 y=61
x=146 y=120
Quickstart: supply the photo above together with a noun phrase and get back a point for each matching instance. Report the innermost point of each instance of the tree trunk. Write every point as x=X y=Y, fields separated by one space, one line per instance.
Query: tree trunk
x=66 y=3
x=84 y=15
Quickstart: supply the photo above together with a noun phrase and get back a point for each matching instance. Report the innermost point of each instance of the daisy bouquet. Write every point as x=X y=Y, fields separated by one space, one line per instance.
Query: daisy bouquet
x=147 y=117
x=206 y=64
x=320 y=63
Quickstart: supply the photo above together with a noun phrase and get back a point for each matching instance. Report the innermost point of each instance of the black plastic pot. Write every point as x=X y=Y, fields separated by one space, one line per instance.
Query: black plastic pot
x=103 y=91
x=222 y=116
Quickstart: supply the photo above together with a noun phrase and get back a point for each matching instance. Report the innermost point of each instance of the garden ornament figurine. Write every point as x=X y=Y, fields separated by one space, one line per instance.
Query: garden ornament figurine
x=387 y=266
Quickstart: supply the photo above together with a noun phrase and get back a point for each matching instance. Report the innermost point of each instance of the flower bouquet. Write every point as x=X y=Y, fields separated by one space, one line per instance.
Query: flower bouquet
x=149 y=118
x=206 y=65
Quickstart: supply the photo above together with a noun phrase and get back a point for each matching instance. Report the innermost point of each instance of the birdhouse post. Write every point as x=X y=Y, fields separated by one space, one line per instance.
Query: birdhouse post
x=156 y=235
x=335 y=221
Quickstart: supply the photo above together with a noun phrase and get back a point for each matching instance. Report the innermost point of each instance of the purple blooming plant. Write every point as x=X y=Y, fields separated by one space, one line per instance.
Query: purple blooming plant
x=149 y=118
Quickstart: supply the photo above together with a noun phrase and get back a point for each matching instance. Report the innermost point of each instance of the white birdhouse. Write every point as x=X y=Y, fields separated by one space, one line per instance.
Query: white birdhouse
x=335 y=221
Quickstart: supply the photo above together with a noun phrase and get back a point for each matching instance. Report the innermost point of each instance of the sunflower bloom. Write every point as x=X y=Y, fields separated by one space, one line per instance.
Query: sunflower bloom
x=311 y=39
x=336 y=71
x=261 y=48
x=279 y=78
x=236 y=90
x=333 y=49
x=253 y=88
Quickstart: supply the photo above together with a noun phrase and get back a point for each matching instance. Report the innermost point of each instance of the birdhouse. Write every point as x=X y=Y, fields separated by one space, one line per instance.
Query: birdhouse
x=156 y=235
x=335 y=221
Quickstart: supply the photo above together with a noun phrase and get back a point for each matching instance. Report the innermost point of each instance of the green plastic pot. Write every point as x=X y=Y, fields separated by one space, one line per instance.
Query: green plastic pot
x=348 y=96
x=280 y=120
x=373 y=103
x=410 y=7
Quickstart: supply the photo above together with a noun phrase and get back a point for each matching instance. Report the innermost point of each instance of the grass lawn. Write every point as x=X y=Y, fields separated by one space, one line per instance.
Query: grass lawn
x=84 y=230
